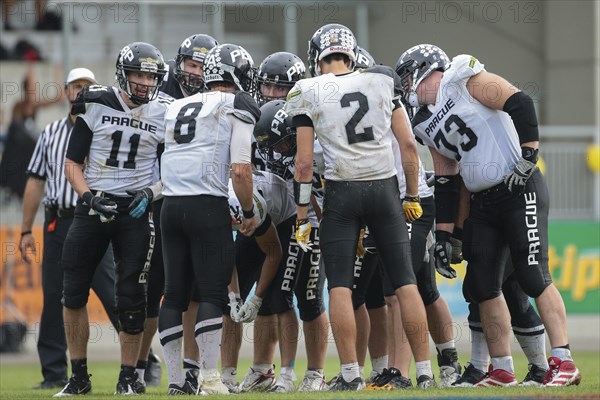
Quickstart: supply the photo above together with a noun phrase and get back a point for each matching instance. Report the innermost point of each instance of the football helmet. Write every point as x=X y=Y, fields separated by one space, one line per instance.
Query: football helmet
x=279 y=69
x=230 y=63
x=140 y=57
x=330 y=39
x=195 y=48
x=364 y=59
x=416 y=64
x=276 y=138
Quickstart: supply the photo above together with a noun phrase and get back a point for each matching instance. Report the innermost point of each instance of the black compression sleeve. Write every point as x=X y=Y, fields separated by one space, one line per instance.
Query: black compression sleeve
x=446 y=198
x=79 y=142
x=302 y=120
x=520 y=108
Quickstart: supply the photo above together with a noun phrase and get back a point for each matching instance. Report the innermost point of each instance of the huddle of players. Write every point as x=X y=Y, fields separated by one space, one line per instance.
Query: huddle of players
x=272 y=256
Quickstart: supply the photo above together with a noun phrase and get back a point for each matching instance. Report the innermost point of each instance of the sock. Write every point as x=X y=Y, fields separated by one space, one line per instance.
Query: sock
x=443 y=346
x=208 y=337
x=126 y=371
x=361 y=370
x=423 y=368
x=480 y=356
x=262 y=368
x=505 y=363
x=79 y=367
x=141 y=369
x=534 y=348
x=171 y=340
x=350 y=371
x=313 y=371
x=190 y=364
x=289 y=371
x=229 y=374
x=379 y=363
x=562 y=353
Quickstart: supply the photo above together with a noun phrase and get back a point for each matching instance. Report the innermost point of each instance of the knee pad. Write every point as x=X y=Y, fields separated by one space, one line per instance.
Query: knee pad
x=132 y=321
x=428 y=294
x=75 y=302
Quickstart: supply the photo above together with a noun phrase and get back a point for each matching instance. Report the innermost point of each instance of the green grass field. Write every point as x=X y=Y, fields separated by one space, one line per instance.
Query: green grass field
x=16 y=382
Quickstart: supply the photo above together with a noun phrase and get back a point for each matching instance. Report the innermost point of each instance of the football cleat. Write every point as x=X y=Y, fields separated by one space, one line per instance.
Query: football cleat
x=211 y=383
x=354 y=385
x=334 y=379
x=425 y=382
x=470 y=377
x=128 y=385
x=450 y=369
x=389 y=379
x=497 y=378
x=191 y=377
x=256 y=381
x=562 y=373
x=75 y=386
x=177 y=390
x=283 y=384
x=313 y=381
x=45 y=384
x=535 y=376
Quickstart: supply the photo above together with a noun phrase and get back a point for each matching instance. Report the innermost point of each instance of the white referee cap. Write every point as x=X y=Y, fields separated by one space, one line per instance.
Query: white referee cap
x=81 y=73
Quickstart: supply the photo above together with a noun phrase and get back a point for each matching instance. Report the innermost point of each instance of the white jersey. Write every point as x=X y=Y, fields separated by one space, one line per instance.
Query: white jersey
x=199 y=130
x=270 y=196
x=483 y=140
x=352 y=116
x=424 y=190
x=123 y=151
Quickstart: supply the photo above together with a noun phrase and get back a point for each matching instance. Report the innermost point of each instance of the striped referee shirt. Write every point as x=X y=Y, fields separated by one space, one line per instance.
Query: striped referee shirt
x=48 y=163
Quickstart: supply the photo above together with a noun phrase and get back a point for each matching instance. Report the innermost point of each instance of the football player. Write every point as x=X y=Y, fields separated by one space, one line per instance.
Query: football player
x=117 y=137
x=208 y=140
x=492 y=141
x=361 y=185
x=183 y=79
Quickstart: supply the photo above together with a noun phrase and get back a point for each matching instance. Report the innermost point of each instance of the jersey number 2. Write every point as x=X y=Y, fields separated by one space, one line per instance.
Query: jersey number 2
x=363 y=107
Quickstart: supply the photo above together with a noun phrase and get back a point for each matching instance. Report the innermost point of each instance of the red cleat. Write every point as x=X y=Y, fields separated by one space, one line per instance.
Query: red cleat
x=562 y=373
x=496 y=378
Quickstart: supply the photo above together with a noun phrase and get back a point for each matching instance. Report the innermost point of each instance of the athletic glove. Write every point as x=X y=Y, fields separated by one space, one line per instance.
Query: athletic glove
x=456 y=242
x=303 y=234
x=360 y=249
x=141 y=199
x=412 y=207
x=249 y=310
x=106 y=209
x=235 y=303
x=525 y=167
x=442 y=253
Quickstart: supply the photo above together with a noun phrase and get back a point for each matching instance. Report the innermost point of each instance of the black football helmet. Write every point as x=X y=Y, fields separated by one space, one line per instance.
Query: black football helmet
x=276 y=138
x=230 y=63
x=364 y=59
x=281 y=69
x=330 y=39
x=195 y=48
x=140 y=57
x=416 y=64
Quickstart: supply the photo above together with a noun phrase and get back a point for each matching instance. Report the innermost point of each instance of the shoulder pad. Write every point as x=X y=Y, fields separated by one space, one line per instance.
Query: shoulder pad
x=465 y=66
x=422 y=115
x=245 y=108
x=381 y=69
x=99 y=94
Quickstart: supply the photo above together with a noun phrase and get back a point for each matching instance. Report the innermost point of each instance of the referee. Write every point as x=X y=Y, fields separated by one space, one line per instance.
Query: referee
x=46 y=171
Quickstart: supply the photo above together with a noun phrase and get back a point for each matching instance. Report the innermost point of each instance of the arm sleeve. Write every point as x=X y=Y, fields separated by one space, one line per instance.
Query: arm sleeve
x=302 y=120
x=80 y=141
x=37 y=164
x=241 y=141
x=245 y=108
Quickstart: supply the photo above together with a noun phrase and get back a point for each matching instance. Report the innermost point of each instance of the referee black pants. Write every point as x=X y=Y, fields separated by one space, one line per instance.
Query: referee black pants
x=52 y=344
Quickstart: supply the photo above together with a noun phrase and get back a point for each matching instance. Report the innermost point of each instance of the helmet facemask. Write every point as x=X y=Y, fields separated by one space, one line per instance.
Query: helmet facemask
x=190 y=82
x=128 y=87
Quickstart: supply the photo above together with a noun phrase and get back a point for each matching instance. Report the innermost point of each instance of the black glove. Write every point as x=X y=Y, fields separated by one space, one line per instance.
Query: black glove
x=456 y=241
x=525 y=167
x=442 y=252
x=106 y=208
x=141 y=199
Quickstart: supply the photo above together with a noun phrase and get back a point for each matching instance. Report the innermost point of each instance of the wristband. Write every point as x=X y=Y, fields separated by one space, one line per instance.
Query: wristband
x=412 y=198
x=442 y=236
x=457 y=233
x=530 y=154
x=25 y=233
x=87 y=197
x=302 y=192
x=248 y=214
x=301 y=221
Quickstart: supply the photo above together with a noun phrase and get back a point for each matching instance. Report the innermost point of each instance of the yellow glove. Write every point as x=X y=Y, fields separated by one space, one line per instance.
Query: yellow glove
x=412 y=207
x=360 y=250
x=303 y=234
